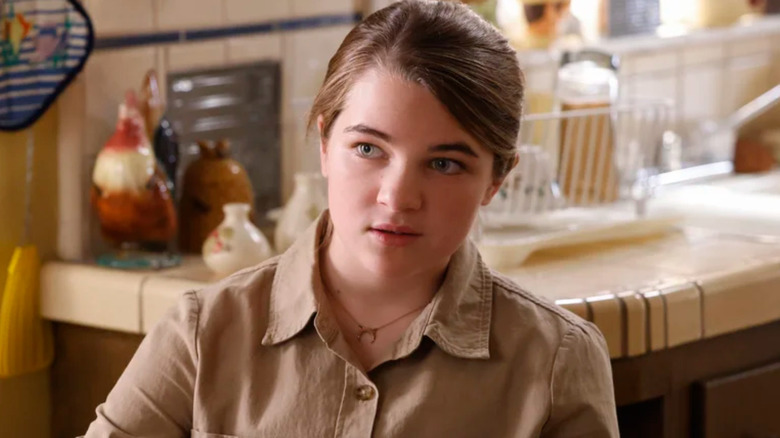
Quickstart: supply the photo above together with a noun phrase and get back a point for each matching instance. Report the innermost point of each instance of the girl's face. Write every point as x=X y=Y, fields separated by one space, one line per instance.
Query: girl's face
x=405 y=181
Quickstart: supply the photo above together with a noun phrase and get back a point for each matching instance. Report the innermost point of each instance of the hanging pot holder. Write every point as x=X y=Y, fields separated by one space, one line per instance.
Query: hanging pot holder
x=43 y=46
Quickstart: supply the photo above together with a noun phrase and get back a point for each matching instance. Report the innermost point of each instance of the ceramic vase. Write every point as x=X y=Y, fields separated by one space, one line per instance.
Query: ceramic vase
x=236 y=243
x=305 y=205
x=209 y=183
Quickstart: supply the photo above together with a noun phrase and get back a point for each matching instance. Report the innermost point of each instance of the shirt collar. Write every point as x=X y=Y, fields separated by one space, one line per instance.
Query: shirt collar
x=457 y=319
x=293 y=298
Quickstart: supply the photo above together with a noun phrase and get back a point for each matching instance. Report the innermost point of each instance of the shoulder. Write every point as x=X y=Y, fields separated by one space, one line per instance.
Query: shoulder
x=244 y=293
x=516 y=310
x=508 y=293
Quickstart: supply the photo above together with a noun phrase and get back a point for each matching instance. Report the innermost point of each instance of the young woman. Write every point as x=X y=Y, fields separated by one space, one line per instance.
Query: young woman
x=382 y=320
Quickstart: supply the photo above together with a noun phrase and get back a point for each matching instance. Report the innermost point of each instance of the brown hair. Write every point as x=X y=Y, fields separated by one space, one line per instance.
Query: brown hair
x=448 y=49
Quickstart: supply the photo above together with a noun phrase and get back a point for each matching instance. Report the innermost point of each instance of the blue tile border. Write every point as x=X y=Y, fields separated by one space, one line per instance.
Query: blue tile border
x=193 y=35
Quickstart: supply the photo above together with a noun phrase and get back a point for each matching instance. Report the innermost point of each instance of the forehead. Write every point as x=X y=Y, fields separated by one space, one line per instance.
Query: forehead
x=405 y=110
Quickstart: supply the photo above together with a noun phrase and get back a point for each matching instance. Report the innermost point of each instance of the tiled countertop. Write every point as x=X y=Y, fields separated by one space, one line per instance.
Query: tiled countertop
x=644 y=294
x=127 y=301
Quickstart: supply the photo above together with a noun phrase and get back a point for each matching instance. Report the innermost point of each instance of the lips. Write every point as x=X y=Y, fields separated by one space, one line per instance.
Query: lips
x=396 y=229
x=396 y=236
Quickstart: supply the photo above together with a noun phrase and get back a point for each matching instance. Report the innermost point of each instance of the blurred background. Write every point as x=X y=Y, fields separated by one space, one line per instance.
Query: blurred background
x=647 y=199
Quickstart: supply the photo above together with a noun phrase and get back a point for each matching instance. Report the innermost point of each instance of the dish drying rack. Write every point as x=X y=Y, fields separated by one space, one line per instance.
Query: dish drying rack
x=583 y=174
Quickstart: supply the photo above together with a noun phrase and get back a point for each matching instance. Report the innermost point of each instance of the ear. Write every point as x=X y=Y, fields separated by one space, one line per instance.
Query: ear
x=496 y=183
x=323 y=146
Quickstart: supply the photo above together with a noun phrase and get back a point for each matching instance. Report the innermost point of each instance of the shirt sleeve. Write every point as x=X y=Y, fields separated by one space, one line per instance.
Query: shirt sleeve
x=154 y=395
x=583 y=397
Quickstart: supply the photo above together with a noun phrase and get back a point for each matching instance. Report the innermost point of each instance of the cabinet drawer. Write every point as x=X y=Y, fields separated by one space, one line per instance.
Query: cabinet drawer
x=746 y=404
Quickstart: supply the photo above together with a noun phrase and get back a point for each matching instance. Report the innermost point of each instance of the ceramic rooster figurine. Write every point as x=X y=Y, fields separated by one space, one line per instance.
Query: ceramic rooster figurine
x=130 y=191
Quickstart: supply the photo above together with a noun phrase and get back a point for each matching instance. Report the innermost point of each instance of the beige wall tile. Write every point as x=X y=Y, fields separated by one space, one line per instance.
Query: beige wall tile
x=663 y=59
x=700 y=95
x=108 y=75
x=162 y=72
x=254 y=48
x=305 y=61
x=184 y=14
x=749 y=46
x=699 y=53
x=188 y=56
x=655 y=85
x=254 y=11
x=121 y=16
x=370 y=6
x=307 y=53
x=746 y=78
x=299 y=152
x=72 y=195
x=307 y=8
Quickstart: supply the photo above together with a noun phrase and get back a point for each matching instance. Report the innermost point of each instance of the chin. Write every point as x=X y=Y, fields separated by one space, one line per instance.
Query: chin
x=390 y=267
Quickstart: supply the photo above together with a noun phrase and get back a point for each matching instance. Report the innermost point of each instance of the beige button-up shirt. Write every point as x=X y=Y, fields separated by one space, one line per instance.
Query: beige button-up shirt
x=259 y=355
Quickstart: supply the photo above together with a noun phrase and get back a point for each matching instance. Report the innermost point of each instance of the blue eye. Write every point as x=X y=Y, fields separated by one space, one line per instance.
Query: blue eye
x=446 y=166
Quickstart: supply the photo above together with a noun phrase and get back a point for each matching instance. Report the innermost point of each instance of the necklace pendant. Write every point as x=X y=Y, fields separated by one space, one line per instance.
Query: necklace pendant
x=368 y=334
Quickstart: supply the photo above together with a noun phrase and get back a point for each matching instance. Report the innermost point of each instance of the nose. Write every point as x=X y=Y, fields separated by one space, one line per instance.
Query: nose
x=400 y=189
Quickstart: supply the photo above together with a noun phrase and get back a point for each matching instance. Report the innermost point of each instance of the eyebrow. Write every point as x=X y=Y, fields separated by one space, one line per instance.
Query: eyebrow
x=454 y=147
x=364 y=129
x=446 y=147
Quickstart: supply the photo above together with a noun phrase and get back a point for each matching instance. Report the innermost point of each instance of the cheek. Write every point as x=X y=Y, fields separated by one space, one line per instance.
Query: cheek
x=350 y=182
x=456 y=206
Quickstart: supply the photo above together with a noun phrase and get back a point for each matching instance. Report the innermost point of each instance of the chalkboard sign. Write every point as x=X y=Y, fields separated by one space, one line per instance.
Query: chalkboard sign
x=630 y=17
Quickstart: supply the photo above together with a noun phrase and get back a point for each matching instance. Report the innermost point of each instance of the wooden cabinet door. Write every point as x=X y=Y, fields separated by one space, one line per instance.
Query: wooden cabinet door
x=744 y=405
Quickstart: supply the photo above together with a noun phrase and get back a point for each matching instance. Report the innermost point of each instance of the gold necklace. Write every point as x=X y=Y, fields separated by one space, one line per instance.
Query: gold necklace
x=370 y=332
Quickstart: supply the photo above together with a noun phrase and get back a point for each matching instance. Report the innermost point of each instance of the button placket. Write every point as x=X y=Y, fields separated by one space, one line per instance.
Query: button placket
x=359 y=403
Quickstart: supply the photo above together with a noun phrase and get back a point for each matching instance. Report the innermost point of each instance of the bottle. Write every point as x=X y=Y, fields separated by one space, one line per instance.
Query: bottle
x=166 y=148
x=236 y=243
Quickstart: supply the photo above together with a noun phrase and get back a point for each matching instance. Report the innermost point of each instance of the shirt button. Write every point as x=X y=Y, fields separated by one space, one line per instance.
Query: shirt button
x=365 y=393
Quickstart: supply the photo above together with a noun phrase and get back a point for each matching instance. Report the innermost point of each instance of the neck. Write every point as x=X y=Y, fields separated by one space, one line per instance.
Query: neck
x=371 y=298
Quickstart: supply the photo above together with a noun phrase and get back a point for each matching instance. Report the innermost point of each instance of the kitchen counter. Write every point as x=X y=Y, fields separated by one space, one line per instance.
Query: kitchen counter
x=645 y=294
x=679 y=310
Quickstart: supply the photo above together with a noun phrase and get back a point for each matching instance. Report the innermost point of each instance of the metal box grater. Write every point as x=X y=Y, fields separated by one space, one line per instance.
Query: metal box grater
x=240 y=103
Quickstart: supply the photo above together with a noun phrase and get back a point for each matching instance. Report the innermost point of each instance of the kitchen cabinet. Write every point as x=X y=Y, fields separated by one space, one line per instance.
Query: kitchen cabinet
x=712 y=388
x=745 y=404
